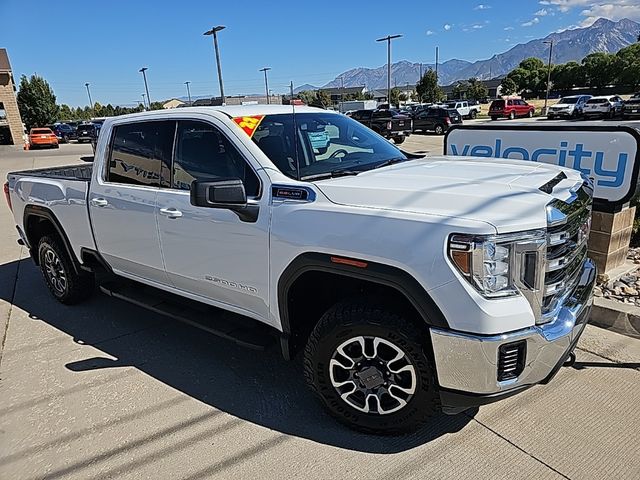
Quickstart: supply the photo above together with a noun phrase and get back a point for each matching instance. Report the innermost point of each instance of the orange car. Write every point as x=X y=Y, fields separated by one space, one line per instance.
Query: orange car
x=42 y=137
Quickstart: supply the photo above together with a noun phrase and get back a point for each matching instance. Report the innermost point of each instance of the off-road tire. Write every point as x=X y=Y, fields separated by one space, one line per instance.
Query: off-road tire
x=473 y=115
x=355 y=318
x=399 y=140
x=77 y=286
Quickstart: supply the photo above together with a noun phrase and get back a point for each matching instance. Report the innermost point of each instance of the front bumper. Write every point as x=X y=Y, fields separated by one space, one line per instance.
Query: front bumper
x=467 y=364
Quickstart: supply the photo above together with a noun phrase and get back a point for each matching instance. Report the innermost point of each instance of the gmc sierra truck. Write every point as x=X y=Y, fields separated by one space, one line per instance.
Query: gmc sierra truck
x=408 y=284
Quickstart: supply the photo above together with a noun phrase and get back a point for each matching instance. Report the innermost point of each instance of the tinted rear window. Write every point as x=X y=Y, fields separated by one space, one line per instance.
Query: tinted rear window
x=497 y=104
x=452 y=113
x=88 y=128
x=598 y=101
x=41 y=131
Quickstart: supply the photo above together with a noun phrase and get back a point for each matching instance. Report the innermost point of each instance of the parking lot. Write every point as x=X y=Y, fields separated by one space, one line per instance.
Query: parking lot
x=108 y=390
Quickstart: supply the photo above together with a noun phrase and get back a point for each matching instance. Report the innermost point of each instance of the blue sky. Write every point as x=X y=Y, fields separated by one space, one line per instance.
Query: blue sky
x=106 y=43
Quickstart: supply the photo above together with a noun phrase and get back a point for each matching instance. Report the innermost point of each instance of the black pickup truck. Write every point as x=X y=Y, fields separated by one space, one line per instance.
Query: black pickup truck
x=387 y=123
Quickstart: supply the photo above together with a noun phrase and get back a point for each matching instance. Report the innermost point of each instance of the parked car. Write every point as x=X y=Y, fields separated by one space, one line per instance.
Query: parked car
x=436 y=120
x=510 y=108
x=605 y=106
x=388 y=123
x=631 y=107
x=86 y=132
x=404 y=281
x=42 y=137
x=568 y=107
x=464 y=108
x=64 y=133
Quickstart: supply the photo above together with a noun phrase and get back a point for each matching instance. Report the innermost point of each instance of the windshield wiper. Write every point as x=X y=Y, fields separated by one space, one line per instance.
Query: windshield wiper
x=391 y=161
x=331 y=174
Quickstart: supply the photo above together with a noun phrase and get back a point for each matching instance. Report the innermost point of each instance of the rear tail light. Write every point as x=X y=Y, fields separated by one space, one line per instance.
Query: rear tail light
x=7 y=196
x=448 y=120
x=388 y=125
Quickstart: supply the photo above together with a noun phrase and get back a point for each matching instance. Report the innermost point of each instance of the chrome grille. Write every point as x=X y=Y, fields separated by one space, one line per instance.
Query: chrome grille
x=567 y=235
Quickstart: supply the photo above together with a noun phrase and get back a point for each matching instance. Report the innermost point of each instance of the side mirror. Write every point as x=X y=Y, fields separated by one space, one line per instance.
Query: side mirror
x=225 y=193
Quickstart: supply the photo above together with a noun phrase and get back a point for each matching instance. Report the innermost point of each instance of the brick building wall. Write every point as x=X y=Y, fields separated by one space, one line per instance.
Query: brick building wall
x=11 y=117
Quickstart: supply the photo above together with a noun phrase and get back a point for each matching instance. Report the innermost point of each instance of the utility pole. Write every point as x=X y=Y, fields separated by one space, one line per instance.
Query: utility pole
x=420 y=72
x=144 y=102
x=188 y=92
x=214 y=32
x=437 y=52
x=146 y=87
x=388 y=39
x=546 y=97
x=341 y=91
x=266 y=84
x=89 y=94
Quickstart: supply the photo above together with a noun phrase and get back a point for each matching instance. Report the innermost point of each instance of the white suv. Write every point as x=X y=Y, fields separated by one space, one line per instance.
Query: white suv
x=604 y=106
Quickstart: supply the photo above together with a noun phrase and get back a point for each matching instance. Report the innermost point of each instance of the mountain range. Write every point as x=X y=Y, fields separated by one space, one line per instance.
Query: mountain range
x=569 y=45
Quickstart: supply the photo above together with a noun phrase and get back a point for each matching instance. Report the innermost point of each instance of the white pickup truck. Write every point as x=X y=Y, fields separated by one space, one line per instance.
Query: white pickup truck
x=409 y=284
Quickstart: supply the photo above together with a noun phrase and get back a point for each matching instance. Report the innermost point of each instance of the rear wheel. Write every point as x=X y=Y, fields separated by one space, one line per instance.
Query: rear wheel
x=473 y=114
x=494 y=118
x=399 y=140
x=369 y=369
x=530 y=114
x=64 y=283
x=439 y=129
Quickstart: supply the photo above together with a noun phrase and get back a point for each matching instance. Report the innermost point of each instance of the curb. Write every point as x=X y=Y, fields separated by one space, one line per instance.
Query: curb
x=616 y=316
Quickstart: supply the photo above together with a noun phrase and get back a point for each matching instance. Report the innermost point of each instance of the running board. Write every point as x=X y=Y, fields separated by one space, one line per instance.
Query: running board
x=242 y=330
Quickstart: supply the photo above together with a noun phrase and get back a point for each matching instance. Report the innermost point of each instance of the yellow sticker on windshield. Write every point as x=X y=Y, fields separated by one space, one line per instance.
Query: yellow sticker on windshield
x=249 y=124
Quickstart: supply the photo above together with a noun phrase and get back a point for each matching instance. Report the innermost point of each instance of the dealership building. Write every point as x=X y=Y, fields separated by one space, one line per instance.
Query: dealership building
x=11 y=128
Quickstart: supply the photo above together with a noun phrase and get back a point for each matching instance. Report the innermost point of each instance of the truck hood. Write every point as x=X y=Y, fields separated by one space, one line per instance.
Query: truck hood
x=504 y=193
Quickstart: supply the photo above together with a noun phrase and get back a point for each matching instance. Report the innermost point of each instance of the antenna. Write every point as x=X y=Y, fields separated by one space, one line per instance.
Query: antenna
x=295 y=133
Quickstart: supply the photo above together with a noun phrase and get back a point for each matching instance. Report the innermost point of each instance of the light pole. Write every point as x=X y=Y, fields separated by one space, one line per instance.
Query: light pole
x=266 y=83
x=144 y=102
x=188 y=92
x=89 y=94
x=437 y=53
x=214 y=32
x=146 y=87
x=546 y=97
x=388 y=39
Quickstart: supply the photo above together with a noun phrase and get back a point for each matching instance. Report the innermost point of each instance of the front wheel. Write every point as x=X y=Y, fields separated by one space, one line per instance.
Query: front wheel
x=473 y=114
x=512 y=115
x=494 y=118
x=64 y=283
x=399 y=140
x=439 y=130
x=368 y=367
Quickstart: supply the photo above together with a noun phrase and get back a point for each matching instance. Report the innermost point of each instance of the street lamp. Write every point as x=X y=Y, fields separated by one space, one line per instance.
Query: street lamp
x=146 y=87
x=388 y=39
x=266 y=84
x=188 y=92
x=546 y=98
x=89 y=94
x=144 y=102
x=214 y=31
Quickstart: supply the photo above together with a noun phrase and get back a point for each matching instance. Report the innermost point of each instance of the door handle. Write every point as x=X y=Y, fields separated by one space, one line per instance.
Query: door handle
x=171 y=212
x=99 y=202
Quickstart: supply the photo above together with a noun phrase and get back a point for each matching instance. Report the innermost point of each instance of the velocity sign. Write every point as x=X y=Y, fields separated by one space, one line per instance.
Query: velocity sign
x=608 y=154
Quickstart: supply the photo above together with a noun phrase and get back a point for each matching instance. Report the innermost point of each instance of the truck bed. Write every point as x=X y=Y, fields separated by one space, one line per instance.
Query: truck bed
x=69 y=172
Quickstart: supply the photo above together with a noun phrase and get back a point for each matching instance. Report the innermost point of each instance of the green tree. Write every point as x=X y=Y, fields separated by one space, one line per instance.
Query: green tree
x=476 y=90
x=460 y=89
x=428 y=89
x=395 y=96
x=156 y=106
x=599 y=69
x=36 y=102
x=628 y=66
x=530 y=75
x=508 y=86
x=323 y=99
x=567 y=76
x=307 y=96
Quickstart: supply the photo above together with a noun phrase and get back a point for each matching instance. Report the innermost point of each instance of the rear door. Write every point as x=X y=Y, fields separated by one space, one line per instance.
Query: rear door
x=122 y=199
x=211 y=252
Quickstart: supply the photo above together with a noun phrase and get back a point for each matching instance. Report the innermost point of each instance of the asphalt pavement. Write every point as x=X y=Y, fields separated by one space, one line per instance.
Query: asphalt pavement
x=108 y=390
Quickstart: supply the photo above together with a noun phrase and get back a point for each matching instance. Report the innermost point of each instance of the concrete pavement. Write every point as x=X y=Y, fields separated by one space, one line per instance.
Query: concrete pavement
x=108 y=390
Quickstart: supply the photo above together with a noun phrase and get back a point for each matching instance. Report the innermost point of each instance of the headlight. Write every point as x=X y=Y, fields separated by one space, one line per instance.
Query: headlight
x=499 y=265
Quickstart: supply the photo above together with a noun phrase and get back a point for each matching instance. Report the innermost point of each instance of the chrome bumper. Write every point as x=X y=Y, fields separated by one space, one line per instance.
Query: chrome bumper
x=469 y=363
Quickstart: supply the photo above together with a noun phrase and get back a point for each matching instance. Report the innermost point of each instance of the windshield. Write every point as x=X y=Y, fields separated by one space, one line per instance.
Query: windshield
x=568 y=100
x=326 y=143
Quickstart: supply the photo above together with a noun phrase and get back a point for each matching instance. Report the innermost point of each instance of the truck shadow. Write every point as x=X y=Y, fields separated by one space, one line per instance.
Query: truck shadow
x=259 y=387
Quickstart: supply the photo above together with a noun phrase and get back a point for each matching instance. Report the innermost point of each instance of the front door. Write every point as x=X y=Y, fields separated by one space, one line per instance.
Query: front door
x=122 y=200
x=211 y=252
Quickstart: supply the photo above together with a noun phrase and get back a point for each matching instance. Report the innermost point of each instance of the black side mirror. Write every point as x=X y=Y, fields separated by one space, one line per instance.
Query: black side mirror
x=226 y=193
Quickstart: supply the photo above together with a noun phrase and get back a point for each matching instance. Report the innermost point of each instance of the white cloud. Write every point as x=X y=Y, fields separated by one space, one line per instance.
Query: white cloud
x=531 y=22
x=447 y=26
x=508 y=28
x=542 y=12
x=594 y=9
x=430 y=32
x=482 y=7
x=477 y=26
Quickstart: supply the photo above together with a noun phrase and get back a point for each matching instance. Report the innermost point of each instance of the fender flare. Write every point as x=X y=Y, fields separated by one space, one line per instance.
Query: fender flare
x=43 y=212
x=374 y=272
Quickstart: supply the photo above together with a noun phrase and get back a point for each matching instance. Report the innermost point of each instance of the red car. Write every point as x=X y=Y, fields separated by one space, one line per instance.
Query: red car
x=510 y=108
